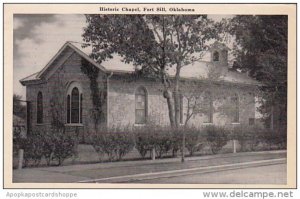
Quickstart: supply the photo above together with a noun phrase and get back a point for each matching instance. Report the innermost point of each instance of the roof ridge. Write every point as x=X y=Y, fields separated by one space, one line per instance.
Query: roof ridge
x=72 y=44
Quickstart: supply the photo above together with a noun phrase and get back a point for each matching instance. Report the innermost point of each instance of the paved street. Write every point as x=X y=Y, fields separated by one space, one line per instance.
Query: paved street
x=249 y=167
x=271 y=174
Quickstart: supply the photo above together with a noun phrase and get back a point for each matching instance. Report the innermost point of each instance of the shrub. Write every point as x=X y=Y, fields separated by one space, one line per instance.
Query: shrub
x=162 y=141
x=176 y=141
x=281 y=140
x=103 y=144
x=194 y=141
x=17 y=141
x=53 y=146
x=124 y=143
x=114 y=143
x=33 y=148
x=148 y=138
x=274 y=139
x=248 y=136
x=48 y=147
x=63 y=146
x=217 y=137
x=143 y=143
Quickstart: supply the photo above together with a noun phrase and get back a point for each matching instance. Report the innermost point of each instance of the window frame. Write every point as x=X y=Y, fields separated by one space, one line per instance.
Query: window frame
x=210 y=113
x=39 y=108
x=145 y=109
x=216 y=54
x=75 y=106
x=236 y=105
x=68 y=109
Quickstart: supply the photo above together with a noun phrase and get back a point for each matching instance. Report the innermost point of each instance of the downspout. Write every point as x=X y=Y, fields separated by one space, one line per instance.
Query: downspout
x=107 y=98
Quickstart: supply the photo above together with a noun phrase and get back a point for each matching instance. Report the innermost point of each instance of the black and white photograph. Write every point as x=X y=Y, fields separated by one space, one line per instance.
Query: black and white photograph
x=159 y=95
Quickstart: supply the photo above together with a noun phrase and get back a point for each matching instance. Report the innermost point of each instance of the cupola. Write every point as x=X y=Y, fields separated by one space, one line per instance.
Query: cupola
x=219 y=54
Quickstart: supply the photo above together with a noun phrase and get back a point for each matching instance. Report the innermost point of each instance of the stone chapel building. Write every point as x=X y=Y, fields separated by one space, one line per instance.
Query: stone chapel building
x=62 y=90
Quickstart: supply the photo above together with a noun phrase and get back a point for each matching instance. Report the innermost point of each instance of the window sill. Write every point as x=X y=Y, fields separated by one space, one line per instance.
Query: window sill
x=235 y=123
x=139 y=124
x=207 y=123
x=74 y=124
x=41 y=124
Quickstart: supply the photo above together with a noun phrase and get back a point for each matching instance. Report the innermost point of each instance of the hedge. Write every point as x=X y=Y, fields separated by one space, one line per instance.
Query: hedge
x=55 y=147
x=216 y=136
x=115 y=143
x=253 y=138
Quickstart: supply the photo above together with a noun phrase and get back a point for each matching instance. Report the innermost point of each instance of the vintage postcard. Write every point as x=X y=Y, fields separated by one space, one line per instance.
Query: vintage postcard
x=150 y=96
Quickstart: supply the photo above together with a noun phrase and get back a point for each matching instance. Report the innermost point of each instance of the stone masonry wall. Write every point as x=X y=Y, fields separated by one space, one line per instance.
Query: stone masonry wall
x=121 y=103
x=54 y=97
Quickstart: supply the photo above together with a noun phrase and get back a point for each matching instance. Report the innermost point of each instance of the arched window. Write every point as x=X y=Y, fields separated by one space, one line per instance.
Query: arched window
x=209 y=107
x=80 y=111
x=216 y=56
x=74 y=104
x=236 y=109
x=140 y=105
x=39 y=111
x=68 y=109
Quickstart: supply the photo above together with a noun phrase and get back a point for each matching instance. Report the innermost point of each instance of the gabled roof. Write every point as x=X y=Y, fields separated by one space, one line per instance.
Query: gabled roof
x=38 y=75
x=30 y=77
x=219 y=45
x=69 y=44
x=197 y=70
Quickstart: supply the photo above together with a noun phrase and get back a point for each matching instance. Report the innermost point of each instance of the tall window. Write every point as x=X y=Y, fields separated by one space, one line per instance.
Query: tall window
x=68 y=109
x=216 y=56
x=208 y=103
x=39 y=112
x=140 y=105
x=80 y=116
x=74 y=104
x=235 y=106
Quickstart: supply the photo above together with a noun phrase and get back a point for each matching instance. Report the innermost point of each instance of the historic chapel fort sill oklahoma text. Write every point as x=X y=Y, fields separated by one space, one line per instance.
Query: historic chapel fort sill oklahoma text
x=62 y=90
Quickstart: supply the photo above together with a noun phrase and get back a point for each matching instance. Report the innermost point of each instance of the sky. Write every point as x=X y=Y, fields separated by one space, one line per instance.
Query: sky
x=37 y=38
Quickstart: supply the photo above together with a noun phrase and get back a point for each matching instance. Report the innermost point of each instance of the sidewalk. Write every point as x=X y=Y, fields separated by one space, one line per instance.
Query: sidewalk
x=89 y=172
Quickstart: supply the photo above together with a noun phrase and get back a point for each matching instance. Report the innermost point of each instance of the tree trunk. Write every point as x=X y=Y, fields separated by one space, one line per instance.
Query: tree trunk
x=177 y=108
x=272 y=118
x=176 y=96
x=183 y=146
x=168 y=95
